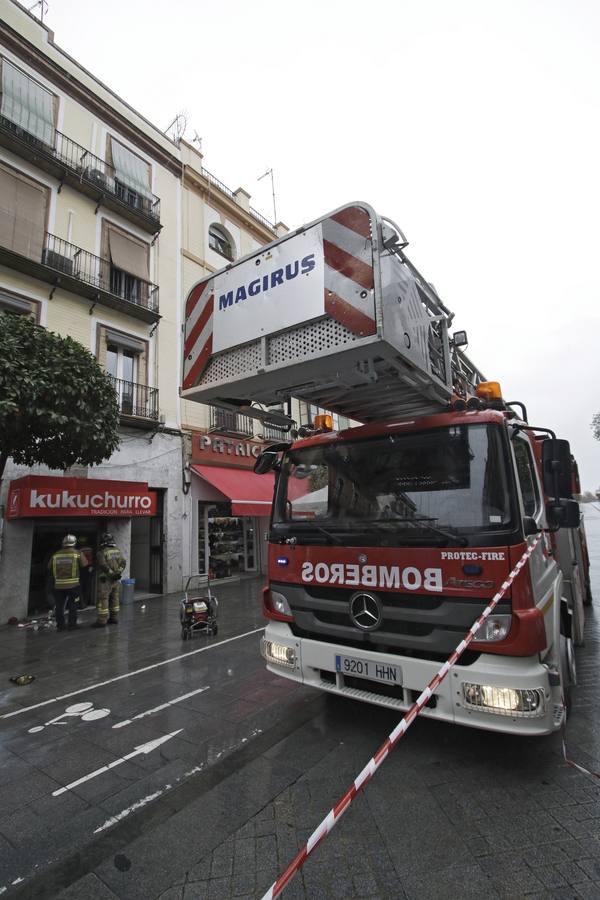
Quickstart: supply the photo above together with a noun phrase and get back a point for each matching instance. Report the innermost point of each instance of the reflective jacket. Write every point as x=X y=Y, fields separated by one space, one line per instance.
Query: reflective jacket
x=65 y=567
x=110 y=562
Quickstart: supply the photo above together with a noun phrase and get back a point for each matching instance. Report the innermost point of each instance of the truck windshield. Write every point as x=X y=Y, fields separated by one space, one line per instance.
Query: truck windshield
x=426 y=488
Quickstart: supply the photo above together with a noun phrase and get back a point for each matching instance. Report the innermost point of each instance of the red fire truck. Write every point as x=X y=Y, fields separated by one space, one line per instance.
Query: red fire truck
x=388 y=539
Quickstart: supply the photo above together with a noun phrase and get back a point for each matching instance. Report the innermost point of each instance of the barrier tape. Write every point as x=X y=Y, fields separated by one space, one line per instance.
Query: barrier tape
x=335 y=814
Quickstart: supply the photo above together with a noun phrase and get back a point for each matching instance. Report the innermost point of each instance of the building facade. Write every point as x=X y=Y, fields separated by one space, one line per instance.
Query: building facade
x=105 y=226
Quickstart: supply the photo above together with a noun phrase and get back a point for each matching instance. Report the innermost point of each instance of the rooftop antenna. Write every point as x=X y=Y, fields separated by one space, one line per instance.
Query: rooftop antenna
x=270 y=172
x=43 y=5
x=197 y=140
x=179 y=124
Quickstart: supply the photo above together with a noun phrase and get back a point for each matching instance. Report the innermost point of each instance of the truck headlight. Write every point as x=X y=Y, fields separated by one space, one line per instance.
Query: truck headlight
x=504 y=701
x=495 y=628
x=280 y=654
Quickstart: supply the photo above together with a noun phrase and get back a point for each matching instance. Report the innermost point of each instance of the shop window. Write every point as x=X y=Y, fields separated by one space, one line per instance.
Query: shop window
x=220 y=242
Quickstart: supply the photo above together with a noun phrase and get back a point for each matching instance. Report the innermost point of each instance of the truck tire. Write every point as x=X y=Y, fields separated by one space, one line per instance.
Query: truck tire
x=568 y=671
x=578 y=617
x=587 y=596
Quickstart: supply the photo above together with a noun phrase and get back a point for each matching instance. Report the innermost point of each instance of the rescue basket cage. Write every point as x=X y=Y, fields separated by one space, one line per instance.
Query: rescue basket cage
x=333 y=314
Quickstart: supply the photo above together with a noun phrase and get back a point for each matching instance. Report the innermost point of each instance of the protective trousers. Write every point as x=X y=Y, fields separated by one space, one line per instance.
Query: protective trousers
x=108 y=598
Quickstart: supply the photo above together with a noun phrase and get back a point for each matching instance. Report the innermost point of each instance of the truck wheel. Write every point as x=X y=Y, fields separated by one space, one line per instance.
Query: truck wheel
x=578 y=619
x=568 y=670
x=214 y=629
x=587 y=596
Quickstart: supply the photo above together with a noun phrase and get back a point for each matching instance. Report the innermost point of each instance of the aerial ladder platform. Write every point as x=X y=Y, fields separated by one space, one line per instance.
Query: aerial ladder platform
x=333 y=313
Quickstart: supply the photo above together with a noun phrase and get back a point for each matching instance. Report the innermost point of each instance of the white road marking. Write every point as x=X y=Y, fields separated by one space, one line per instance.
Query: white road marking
x=149 y=712
x=143 y=748
x=125 y=812
x=145 y=800
x=164 y=662
x=85 y=711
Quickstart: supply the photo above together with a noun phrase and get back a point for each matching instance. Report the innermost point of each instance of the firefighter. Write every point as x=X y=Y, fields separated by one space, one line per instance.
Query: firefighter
x=110 y=563
x=87 y=568
x=65 y=567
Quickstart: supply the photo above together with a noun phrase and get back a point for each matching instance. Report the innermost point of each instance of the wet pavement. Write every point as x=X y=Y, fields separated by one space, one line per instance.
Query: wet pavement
x=194 y=773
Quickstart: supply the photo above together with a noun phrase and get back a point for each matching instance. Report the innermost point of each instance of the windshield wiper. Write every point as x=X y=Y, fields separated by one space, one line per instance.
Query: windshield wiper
x=312 y=527
x=427 y=520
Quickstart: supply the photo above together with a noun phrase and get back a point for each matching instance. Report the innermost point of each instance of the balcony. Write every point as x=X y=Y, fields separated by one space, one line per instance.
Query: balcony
x=226 y=422
x=272 y=433
x=136 y=402
x=72 y=269
x=72 y=164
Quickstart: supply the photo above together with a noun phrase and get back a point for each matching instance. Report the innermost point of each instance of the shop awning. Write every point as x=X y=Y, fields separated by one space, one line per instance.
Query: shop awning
x=250 y=494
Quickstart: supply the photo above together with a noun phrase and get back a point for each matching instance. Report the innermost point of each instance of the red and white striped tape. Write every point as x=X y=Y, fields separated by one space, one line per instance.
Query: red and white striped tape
x=335 y=814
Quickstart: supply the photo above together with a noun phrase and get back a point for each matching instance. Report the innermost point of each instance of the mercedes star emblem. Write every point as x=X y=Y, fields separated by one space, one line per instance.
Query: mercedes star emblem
x=365 y=611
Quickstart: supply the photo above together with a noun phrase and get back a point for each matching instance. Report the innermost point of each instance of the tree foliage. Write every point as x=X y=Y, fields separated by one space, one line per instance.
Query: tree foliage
x=596 y=426
x=57 y=406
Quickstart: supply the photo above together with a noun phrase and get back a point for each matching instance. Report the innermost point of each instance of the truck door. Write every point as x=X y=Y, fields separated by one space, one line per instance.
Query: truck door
x=542 y=567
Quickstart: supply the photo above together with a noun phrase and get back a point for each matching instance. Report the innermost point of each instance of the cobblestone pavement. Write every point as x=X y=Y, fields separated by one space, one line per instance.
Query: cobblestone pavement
x=453 y=812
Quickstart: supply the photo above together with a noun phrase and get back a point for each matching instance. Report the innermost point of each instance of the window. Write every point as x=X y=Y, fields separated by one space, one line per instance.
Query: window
x=220 y=242
x=132 y=175
x=129 y=266
x=526 y=475
x=17 y=305
x=26 y=105
x=121 y=365
x=23 y=207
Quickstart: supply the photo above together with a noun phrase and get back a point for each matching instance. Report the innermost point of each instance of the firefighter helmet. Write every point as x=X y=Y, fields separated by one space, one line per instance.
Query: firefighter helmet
x=69 y=540
x=107 y=540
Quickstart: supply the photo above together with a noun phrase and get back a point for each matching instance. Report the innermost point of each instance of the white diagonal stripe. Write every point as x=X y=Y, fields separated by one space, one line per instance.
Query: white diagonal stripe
x=348 y=240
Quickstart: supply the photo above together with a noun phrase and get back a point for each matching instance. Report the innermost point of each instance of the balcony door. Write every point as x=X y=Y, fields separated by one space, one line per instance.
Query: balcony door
x=122 y=365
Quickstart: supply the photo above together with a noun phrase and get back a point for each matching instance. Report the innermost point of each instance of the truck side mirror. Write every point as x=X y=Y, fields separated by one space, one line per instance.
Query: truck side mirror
x=266 y=462
x=563 y=513
x=556 y=468
x=530 y=526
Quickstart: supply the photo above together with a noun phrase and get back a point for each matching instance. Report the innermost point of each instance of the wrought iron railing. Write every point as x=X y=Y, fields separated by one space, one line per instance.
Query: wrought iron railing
x=230 y=422
x=212 y=179
x=87 y=167
x=137 y=400
x=68 y=259
x=272 y=433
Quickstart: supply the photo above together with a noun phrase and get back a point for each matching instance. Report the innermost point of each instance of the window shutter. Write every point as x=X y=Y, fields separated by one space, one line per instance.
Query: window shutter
x=130 y=169
x=128 y=254
x=23 y=207
x=125 y=341
x=15 y=305
x=27 y=104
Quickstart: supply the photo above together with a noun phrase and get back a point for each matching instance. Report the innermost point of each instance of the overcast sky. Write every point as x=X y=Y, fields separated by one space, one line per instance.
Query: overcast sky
x=475 y=125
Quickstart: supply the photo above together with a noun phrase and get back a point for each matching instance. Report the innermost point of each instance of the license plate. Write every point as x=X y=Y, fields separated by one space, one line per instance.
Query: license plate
x=366 y=668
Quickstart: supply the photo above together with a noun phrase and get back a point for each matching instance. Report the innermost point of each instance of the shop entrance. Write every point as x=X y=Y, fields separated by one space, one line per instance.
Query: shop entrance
x=226 y=542
x=47 y=539
x=147 y=550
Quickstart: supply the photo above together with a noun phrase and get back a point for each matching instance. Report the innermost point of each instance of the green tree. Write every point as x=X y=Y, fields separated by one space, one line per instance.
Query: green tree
x=595 y=426
x=57 y=406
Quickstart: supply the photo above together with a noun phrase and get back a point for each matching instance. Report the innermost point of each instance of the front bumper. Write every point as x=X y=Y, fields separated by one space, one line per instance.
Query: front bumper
x=314 y=665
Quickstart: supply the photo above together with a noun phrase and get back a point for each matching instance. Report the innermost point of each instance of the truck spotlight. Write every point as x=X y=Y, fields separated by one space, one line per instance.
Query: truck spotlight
x=504 y=701
x=459 y=339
